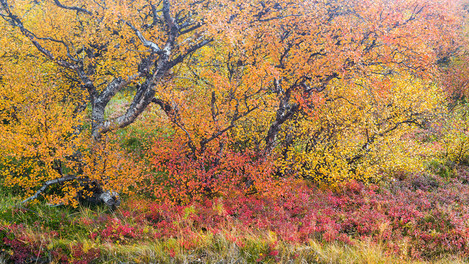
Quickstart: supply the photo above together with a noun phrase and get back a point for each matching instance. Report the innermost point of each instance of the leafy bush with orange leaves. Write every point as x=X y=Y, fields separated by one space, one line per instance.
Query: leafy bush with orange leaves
x=336 y=99
x=184 y=177
x=321 y=89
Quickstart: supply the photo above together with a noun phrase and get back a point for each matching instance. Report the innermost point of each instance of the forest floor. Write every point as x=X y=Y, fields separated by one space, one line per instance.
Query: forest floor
x=422 y=218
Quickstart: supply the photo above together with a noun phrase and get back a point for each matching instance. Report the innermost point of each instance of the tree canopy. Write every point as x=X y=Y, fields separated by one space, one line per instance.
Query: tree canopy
x=250 y=91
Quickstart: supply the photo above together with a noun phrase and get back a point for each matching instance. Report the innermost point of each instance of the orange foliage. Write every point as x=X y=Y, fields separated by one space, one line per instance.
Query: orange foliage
x=183 y=177
x=328 y=88
x=313 y=87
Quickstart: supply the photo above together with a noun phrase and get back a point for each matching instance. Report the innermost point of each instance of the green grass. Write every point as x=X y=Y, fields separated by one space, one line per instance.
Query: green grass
x=40 y=219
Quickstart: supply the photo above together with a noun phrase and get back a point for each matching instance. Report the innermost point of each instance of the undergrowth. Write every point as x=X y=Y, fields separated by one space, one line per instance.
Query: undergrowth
x=419 y=218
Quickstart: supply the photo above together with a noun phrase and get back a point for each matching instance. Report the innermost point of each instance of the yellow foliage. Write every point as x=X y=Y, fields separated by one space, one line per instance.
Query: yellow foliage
x=43 y=136
x=361 y=131
x=454 y=129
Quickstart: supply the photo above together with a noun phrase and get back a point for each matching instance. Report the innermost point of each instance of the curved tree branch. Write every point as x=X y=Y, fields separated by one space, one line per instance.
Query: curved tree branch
x=74 y=8
x=49 y=183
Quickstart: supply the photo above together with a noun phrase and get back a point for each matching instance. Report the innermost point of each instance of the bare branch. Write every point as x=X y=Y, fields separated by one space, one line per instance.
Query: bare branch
x=154 y=14
x=324 y=82
x=192 y=49
x=217 y=134
x=149 y=44
x=371 y=139
x=172 y=25
x=74 y=8
x=172 y=113
x=213 y=107
x=163 y=104
x=192 y=28
x=49 y=183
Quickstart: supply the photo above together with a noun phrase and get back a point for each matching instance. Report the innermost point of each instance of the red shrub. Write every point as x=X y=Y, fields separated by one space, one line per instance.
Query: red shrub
x=116 y=230
x=184 y=176
x=433 y=220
